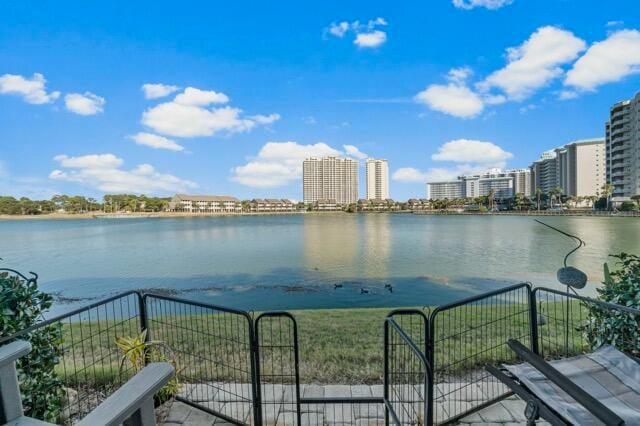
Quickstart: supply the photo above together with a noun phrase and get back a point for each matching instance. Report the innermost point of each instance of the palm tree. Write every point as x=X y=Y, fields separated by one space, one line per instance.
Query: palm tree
x=606 y=191
x=538 y=196
x=636 y=198
x=555 y=194
x=491 y=198
x=518 y=200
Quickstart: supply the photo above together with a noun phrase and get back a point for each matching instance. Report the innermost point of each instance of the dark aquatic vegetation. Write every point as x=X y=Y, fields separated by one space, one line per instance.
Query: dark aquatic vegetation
x=336 y=286
x=364 y=291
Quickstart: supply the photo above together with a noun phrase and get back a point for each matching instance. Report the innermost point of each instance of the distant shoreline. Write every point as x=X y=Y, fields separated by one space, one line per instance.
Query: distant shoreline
x=115 y=216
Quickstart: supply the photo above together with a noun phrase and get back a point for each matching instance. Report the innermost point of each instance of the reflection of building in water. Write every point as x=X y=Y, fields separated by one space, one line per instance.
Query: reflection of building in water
x=376 y=245
x=331 y=244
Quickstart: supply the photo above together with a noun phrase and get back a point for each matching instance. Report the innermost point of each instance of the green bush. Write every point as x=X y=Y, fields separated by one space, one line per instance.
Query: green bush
x=621 y=287
x=21 y=306
x=628 y=206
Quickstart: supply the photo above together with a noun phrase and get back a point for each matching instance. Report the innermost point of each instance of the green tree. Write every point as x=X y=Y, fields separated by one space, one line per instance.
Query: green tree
x=606 y=191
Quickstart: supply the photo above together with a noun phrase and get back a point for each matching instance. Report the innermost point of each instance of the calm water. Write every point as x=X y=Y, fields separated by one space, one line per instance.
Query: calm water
x=287 y=262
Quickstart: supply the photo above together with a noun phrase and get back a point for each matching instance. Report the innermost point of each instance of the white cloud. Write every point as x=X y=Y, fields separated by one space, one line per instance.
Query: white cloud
x=471 y=157
x=187 y=116
x=158 y=90
x=454 y=99
x=32 y=90
x=607 y=61
x=614 y=23
x=84 y=104
x=366 y=35
x=93 y=161
x=338 y=29
x=370 y=40
x=103 y=172
x=197 y=97
x=488 y=4
x=354 y=152
x=409 y=175
x=472 y=151
x=280 y=163
x=535 y=63
x=156 y=141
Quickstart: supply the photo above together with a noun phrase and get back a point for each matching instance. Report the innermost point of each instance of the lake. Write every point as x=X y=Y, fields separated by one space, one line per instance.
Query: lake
x=308 y=260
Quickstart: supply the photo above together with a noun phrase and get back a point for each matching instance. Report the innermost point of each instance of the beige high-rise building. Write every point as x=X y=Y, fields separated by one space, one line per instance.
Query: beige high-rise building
x=623 y=149
x=377 y=176
x=330 y=178
x=543 y=173
x=581 y=167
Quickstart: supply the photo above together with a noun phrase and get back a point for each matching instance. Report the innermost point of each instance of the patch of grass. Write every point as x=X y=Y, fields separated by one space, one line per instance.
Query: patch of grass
x=335 y=345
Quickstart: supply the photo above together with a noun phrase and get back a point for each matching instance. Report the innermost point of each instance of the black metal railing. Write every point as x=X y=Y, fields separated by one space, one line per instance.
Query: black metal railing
x=90 y=365
x=212 y=348
x=247 y=371
x=466 y=335
x=407 y=373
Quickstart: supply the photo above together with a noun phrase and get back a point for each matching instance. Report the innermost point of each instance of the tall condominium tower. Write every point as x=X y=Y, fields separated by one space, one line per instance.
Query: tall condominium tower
x=330 y=178
x=581 y=167
x=543 y=173
x=377 y=179
x=623 y=149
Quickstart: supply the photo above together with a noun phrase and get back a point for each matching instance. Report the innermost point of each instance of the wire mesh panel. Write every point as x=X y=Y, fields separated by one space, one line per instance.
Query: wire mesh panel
x=278 y=378
x=406 y=372
x=570 y=325
x=212 y=350
x=465 y=336
x=89 y=365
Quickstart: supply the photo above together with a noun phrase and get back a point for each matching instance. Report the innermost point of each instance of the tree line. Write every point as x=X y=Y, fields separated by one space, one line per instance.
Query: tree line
x=80 y=204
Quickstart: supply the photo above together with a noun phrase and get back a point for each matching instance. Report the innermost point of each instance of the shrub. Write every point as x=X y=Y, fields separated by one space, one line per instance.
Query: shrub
x=628 y=206
x=621 y=287
x=21 y=306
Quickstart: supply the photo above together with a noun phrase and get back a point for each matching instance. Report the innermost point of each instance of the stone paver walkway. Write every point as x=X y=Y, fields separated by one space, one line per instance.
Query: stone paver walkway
x=233 y=400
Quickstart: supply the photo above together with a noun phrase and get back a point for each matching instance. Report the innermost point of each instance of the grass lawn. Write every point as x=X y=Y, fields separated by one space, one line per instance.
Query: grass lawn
x=335 y=345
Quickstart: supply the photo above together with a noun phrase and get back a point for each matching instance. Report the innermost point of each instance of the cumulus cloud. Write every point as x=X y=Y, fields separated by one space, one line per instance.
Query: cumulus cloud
x=472 y=151
x=190 y=114
x=469 y=156
x=104 y=172
x=353 y=151
x=84 y=104
x=158 y=90
x=280 y=163
x=365 y=35
x=197 y=97
x=454 y=98
x=488 y=4
x=607 y=61
x=156 y=141
x=372 y=39
x=31 y=90
x=535 y=63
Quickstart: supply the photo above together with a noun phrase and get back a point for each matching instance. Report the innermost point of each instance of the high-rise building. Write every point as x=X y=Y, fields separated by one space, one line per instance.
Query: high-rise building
x=543 y=173
x=377 y=174
x=330 y=178
x=623 y=149
x=578 y=168
x=581 y=167
x=521 y=181
x=499 y=182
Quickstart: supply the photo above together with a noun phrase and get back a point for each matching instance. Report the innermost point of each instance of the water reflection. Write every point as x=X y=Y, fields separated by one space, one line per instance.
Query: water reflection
x=376 y=250
x=330 y=245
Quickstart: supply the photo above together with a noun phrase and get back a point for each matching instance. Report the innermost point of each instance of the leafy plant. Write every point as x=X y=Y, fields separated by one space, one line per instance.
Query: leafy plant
x=622 y=287
x=22 y=305
x=138 y=351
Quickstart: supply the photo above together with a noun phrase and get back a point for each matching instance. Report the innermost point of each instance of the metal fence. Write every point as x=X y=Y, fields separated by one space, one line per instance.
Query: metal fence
x=466 y=335
x=212 y=348
x=247 y=371
x=407 y=372
x=568 y=324
x=90 y=365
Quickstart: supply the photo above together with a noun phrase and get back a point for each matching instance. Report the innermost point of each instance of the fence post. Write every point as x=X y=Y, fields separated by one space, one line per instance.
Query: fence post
x=255 y=376
x=385 y=380
x=533 y=320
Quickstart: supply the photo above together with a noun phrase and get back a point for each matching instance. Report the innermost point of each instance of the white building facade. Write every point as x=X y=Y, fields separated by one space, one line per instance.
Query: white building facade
x=500 y=184
x=205 y=204
x=330 y=178
x=377 y=178
x=623 y=149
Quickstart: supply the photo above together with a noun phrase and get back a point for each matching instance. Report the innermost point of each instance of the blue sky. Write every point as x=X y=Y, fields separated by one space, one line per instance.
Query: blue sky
x=238 y=93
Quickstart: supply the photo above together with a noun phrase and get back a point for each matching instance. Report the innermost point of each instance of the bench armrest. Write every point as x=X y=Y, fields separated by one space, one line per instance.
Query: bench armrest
x=133 y=399
x=594 y=406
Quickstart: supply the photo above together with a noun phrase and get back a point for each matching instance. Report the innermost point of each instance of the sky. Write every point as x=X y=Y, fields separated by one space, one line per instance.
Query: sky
x=228 y=98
